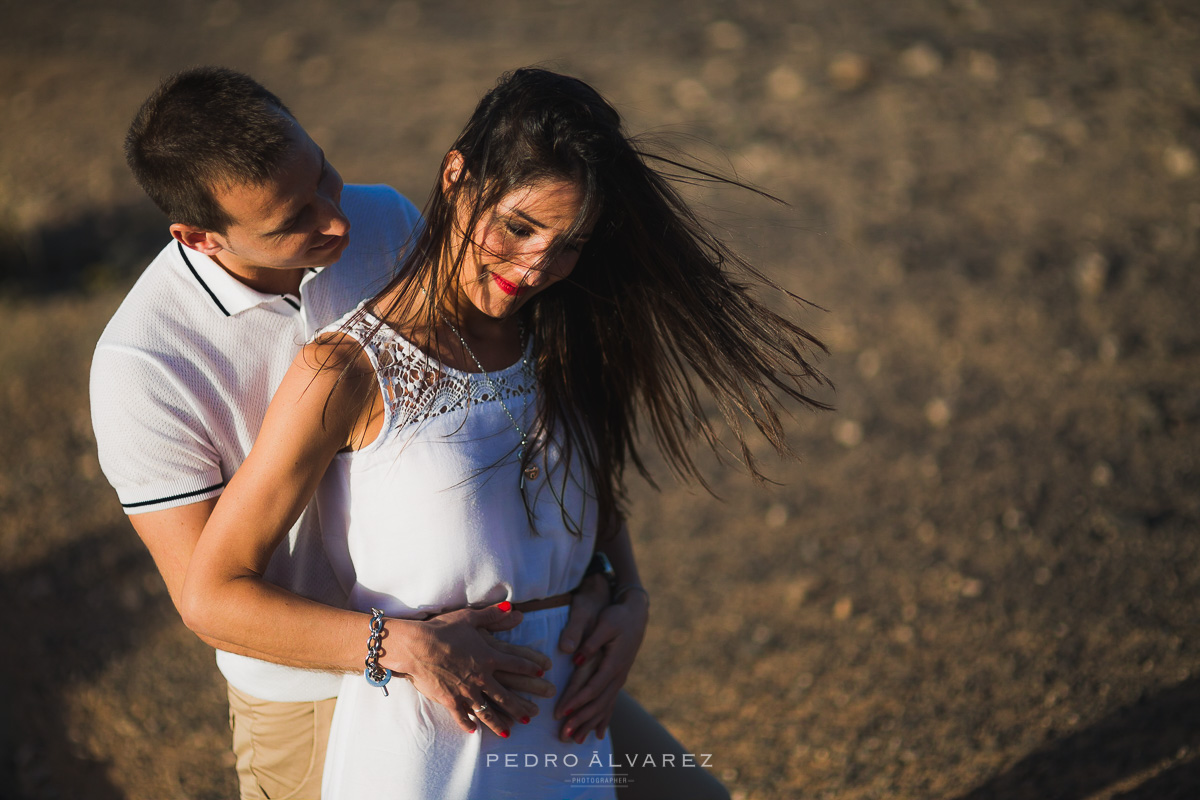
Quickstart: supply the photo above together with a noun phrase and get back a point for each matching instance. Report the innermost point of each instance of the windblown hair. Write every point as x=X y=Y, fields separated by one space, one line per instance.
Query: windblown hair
x=655 y=308
x=200 y=128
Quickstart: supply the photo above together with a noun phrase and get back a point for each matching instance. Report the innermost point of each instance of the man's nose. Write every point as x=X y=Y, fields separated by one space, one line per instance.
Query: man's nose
x=336 y=223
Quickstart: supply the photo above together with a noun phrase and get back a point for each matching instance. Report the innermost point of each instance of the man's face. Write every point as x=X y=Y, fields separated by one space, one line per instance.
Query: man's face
x=291 y=221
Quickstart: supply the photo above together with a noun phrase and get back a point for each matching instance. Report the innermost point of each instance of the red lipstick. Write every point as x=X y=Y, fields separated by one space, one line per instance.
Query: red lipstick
x=507 y=287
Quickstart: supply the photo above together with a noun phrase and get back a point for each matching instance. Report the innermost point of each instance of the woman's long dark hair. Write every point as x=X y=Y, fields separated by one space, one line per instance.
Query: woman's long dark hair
x=655 y=308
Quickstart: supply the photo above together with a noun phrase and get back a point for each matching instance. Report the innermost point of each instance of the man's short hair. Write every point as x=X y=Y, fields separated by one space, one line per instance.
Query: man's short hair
x=201 y=128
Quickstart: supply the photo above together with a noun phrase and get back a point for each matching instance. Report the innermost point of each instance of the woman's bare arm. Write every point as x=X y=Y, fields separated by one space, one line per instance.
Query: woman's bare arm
x=311 y=418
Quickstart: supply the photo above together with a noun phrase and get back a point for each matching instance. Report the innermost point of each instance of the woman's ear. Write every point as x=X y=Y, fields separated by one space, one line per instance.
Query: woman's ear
x=452 y=169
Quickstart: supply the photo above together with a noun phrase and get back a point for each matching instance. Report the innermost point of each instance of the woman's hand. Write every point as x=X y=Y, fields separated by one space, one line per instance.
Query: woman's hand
x=454 y=661
x=602 y=664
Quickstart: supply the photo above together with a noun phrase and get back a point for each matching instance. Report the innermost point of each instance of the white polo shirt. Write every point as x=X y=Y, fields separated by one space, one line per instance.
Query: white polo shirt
x=182 y=377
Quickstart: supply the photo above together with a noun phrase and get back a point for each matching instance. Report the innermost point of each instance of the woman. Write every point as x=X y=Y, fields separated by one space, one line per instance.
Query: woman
x=475 y=419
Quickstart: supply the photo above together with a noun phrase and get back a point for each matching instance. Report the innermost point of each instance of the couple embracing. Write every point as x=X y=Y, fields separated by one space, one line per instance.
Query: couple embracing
x=421 y=568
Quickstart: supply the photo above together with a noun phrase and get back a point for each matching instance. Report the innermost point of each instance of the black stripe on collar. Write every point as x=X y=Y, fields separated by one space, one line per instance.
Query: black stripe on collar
x=210 y=294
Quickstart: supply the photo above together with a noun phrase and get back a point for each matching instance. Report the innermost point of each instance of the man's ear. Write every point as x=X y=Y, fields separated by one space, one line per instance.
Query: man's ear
x=452 y=169
x=198 y=239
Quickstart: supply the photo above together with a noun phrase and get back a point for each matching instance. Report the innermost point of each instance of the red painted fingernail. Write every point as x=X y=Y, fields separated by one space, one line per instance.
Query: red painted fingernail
x=579 y=659
x=504 y=734
x=524 y=720
x=504 y=605
x=567 y=732
x=570 y=711
x=541 y=673
x=580 y=739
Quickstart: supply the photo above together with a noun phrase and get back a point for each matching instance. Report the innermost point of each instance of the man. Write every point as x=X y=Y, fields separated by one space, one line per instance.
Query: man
x=185 y=370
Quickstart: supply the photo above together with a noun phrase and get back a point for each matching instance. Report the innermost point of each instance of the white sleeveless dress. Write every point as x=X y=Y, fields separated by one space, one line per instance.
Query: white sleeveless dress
x=428 y=518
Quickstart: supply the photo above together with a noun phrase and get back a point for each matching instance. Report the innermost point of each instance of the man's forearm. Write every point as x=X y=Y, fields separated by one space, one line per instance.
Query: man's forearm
x=619 y=550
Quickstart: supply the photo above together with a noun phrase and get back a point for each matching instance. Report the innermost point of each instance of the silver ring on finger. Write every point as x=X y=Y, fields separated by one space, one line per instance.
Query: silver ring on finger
x=482 y=707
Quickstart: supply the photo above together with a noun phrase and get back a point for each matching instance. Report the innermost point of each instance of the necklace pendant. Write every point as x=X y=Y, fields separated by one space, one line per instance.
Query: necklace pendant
x=532 y=472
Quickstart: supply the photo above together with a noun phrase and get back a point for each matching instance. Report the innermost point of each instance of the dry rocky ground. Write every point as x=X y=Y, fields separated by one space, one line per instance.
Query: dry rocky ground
x=981 y=580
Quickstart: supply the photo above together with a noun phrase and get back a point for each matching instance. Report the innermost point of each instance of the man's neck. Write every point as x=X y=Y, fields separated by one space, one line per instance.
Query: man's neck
x=268 y=280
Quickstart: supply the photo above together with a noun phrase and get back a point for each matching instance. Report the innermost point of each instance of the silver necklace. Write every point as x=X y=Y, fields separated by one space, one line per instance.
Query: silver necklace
x=530 y=472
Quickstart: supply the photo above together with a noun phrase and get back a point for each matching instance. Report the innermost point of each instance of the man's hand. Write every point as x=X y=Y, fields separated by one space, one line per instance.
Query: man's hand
x=602 y=662
x=592 y=597
x=454 y=661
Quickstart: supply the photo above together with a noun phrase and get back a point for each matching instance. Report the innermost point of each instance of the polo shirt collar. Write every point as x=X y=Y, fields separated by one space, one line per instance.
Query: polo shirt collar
x=226 y=292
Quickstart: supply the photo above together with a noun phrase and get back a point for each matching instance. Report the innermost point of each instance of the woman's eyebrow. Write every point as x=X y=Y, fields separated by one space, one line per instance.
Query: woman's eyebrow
x=518 y=212
x=528 y=218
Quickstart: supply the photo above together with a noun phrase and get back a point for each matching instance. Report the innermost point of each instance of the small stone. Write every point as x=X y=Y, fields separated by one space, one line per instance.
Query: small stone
x=843 y=608
x=926 y=532
x=903 y=634
x=1038 y=113
x=1011 y=518
x=921 y=61
x=937 y=412
x=726 y=35
x=848 y=72
x=1179 y=161
x=1030 y=148
x=777 y=515
x=1091 y=274
x=848 y=433
x=890 y=271
x=868 y=363
x=972 y=587
x=982 y=66
x=280 y=48
x=784 y=83
x=1102 y=475
x=1042 y=575
x=690 y=94
x=1109 y=350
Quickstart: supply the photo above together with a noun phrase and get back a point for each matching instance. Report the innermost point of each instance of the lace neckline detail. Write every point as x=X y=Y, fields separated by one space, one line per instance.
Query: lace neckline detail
x=419 y=387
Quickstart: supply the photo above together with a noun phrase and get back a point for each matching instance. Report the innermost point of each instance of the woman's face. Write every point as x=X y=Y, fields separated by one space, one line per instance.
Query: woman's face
x=506 y=261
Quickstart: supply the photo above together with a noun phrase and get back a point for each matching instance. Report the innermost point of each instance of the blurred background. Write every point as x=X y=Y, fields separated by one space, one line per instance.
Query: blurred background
x=981 y=578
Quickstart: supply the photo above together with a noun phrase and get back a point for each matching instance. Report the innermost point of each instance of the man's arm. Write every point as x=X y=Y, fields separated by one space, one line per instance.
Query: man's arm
x=171 y=535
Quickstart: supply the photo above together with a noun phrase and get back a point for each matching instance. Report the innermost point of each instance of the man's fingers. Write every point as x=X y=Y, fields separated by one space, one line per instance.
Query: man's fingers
x=579 y=678
x=590 y=599
x=582 y=615
x=587 y=719
x=601 y=635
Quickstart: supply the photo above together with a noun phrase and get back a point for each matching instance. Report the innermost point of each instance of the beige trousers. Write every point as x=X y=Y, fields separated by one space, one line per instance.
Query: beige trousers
x=280 y=747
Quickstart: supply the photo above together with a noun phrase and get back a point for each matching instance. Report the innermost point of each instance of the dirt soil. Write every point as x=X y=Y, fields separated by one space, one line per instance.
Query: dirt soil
x=982 y=579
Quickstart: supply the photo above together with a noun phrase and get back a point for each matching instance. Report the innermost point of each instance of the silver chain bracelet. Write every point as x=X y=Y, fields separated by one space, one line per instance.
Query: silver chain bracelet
x=374 y=673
